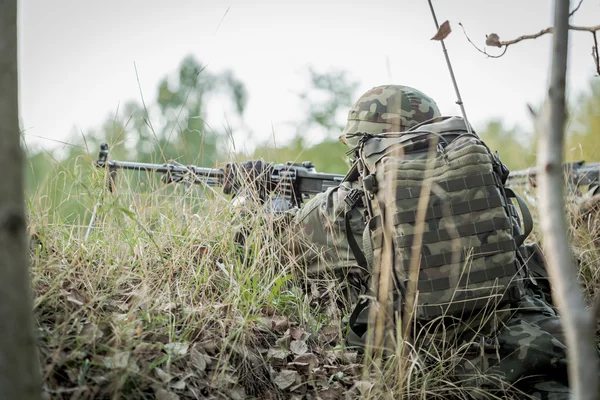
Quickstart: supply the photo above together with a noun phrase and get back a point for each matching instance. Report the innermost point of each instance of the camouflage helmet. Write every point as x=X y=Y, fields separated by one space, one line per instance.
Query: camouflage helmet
x=388 y=108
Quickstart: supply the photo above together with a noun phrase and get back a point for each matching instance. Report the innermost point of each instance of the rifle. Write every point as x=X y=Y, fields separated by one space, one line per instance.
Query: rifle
x=292 y=181
x=578 y=174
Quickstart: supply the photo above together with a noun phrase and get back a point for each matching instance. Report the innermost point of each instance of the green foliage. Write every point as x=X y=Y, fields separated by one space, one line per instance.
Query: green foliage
x=515 y=147
x=171 y=130
x=328 y=156
x=583 y=139
x=327 y=100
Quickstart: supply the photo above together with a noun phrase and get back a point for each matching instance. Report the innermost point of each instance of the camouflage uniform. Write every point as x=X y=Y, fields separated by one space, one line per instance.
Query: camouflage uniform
x=524 y=341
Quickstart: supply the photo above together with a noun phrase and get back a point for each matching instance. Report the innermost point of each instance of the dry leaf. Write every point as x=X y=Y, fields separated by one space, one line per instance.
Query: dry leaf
x=162 y=375
x=286 y=378
x=272 y=324
x=329 y=334
x=363 y=387
x=117 y=361
x=443 y=31
x=308 y=358
x=75 y=297
x=177 y=348
x=303 y=368
x=277 y=357
x=210 y=346
x=199 y=359
x=147 y=348
x=162 y=394
x=90 y=333
x=493 y=40
x=283 y=342
x=296 y=332
x=298 y=347
x=331 y=393
x=177 y=385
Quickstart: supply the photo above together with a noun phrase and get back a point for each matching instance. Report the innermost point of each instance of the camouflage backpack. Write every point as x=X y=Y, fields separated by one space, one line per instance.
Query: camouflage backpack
x=471 y=232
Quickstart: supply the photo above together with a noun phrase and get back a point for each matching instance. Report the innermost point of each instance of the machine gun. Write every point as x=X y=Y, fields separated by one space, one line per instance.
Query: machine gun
x=291 y=181
x=578 y=174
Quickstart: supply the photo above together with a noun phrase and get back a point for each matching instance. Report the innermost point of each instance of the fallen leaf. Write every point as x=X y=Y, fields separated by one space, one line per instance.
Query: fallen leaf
x=162 y=394
x=237 y=393
x=352 y=369
x=272 y=324
x=283 y=342
x=277 y=357
x=286 y=378
x=331 y=393
x=199 y=359
x=147 y=348
x=308 y=358
x=177 y=385
x=443 y=31
x=170 y=306
x=90 y=332
x=301 y=367
x=211 y=346
x=298 y=347
x=493 y=40
x=329 y=334
x=75 y=297
x=363 y=387
x=296 y=332
x=177 y=348
x=268 y=310
x=117 y=361
x=162 y=375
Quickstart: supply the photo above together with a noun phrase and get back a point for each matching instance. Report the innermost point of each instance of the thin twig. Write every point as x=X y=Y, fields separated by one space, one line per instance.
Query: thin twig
x=494 y=41
x=595 y=54
x=543 y=32
x=477 y=48
x=575 y=9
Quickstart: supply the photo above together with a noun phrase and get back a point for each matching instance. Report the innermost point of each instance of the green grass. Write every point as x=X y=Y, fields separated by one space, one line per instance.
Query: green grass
x=160 y=302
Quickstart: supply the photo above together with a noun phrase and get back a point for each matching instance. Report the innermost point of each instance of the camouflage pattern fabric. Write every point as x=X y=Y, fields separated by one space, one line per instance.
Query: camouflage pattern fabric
x=388 y=108
x=527 y=351
x=469 y=212
x=317 y=236
x=524 y=347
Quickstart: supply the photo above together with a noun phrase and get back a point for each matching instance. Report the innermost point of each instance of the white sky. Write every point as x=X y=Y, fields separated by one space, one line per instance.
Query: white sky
x=77 y=56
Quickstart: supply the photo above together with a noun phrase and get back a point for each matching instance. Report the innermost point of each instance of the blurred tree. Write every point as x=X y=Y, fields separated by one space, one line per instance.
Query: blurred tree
x=172 y=129
x=515 y=147
x=19 y=365
x=583 y=137
x=327 y=100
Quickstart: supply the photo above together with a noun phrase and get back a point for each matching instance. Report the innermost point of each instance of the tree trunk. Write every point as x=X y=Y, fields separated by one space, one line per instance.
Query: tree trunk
x=19 y=366
x=578 y=323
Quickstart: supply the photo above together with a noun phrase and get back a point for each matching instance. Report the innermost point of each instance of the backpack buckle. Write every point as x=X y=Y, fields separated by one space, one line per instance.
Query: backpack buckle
x=353 y=197
x=370 y=183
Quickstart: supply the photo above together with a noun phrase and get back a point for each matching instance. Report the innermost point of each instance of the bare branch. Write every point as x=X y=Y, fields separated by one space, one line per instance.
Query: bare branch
x=477 y=48
x=595 y=54
x=19 y=364
x=493 y=39
x=543 y=32
x=577 y=322
x=575 y=9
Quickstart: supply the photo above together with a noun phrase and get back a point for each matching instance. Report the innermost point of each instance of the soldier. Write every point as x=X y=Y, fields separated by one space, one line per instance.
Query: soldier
x=522 y=341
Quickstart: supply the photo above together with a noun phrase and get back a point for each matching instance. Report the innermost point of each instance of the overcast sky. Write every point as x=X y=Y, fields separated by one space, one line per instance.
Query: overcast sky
x=77 y=56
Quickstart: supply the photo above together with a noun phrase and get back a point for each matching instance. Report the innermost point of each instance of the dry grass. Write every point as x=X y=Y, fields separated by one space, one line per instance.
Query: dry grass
x=160 y=302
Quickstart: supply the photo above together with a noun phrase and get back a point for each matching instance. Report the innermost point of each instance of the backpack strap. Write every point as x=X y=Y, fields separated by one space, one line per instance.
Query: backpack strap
x=527 y=219
x=352 y=199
